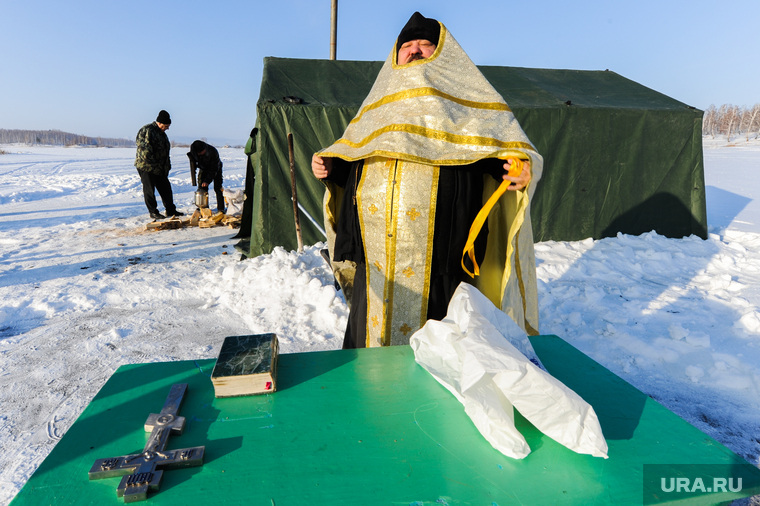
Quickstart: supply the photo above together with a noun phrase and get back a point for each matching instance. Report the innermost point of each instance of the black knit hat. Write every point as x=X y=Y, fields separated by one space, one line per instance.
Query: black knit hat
x=419 y=27
x=197 y=147
x=163 y=117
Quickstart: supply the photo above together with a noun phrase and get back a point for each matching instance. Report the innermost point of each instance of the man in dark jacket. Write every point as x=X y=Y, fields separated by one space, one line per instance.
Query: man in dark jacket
x=153 y=165
x=206 y=158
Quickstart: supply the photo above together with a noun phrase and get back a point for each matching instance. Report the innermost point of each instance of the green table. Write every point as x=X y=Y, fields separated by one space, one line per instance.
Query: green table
x=373 y=427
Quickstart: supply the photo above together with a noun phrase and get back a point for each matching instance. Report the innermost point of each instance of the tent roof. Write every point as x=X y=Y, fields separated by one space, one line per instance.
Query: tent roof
x=344 y=83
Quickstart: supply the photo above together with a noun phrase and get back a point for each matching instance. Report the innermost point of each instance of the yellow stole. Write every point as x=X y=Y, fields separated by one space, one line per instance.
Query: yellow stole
x=396 y=206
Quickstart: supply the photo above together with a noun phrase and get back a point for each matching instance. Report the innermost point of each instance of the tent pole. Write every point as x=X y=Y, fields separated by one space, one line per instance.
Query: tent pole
x=333 y=28
x=295 y=193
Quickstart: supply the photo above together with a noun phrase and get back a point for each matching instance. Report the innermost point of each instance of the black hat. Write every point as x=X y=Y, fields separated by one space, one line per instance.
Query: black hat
x=419 y=27
x=163 y=117
x=197 y=147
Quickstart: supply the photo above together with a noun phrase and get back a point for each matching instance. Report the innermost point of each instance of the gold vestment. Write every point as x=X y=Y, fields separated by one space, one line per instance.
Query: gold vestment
x=440 y=111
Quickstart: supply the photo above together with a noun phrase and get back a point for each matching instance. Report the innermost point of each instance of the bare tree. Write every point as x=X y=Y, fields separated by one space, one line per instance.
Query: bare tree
x=753 y=121
x=709 y=121
x=729 y=115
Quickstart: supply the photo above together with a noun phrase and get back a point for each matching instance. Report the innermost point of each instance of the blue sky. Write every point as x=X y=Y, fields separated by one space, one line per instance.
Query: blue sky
x=105 y=68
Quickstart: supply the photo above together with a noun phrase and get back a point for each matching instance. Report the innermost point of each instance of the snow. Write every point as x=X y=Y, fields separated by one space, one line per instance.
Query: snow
x=84 y=289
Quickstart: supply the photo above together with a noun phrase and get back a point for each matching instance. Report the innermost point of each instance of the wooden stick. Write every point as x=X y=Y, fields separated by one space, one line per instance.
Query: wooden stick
x=295 y=193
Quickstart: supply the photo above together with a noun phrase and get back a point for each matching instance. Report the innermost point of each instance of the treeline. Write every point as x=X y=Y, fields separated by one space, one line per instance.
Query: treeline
x=59 y=138
x=732 y=121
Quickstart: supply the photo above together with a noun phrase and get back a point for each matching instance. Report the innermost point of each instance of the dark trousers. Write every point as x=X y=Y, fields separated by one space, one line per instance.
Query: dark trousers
x=217 y=189
x=152 y=183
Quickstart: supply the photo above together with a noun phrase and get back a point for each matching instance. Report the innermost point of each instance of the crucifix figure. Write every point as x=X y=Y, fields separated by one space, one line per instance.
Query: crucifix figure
x=140 y=472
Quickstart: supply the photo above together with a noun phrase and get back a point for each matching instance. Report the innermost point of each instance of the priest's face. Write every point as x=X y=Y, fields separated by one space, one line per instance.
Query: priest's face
x=415 y=50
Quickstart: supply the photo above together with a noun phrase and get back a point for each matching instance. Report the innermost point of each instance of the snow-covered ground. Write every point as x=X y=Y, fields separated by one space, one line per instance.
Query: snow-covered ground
x=84 y=288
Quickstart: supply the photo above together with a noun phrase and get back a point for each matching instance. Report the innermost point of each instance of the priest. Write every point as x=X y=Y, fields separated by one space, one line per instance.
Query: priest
x=428 y=187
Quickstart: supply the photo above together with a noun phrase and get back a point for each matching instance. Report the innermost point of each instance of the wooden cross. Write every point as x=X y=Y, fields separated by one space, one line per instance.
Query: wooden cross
x=140 y=471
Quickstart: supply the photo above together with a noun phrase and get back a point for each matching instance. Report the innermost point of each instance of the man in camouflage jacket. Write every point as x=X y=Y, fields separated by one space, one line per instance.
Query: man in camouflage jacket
x=153 y=165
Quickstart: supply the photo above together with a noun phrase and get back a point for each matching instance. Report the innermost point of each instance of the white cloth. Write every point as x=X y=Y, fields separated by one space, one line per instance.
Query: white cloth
x=482 y=357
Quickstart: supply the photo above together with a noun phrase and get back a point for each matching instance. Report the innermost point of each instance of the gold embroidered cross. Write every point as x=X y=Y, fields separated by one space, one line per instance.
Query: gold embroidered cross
x=408 y=272
x=405 y=329
x=378 y=265
x=372 y=208
x=375 y=321
x=413 y=213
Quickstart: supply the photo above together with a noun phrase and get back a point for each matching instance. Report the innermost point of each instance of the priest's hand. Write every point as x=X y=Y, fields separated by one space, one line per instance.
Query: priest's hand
x=321 y=167
x=521 y=181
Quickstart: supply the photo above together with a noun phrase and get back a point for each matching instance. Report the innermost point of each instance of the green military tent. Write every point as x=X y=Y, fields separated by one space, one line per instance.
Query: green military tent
x=618 y=157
